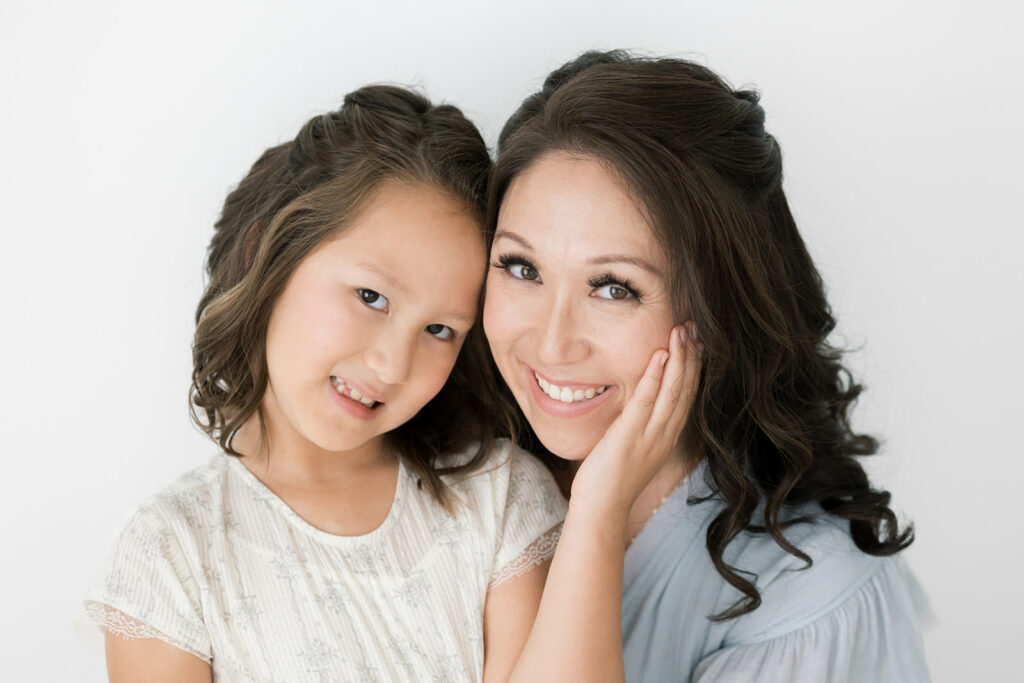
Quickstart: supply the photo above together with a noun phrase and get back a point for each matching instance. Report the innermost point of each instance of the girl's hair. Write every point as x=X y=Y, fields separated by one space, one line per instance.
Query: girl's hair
x=772 y=411
x=300 y=194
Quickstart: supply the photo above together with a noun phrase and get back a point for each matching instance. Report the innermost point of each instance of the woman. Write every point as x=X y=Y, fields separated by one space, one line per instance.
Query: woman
x=636 y=198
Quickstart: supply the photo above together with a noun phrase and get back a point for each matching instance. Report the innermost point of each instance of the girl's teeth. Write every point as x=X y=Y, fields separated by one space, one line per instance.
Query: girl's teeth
x=354 y=394
x=565 y=394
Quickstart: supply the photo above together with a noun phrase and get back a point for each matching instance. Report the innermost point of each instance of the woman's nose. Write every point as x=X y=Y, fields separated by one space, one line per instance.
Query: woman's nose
x=560 y=333
x=390 y=356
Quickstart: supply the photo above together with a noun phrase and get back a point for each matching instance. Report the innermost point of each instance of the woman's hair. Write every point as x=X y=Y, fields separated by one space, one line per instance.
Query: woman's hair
x=295 y=197
x=772 y=412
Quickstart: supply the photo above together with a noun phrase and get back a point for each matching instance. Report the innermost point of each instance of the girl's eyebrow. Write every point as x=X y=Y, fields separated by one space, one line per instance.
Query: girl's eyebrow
x=597 y=260
x=390 y=279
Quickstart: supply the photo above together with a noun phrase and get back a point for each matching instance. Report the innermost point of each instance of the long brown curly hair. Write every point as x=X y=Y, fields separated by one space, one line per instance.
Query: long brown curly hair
x=295 y=197
x=773 y=408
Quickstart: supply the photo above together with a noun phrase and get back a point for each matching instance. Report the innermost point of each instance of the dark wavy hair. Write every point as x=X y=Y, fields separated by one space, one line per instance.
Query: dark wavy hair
x=295 y=197
x=772 y=413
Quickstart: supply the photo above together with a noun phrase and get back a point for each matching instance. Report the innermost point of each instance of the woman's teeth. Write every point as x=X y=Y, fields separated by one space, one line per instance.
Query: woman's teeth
x=351 y=392
x=565 y=394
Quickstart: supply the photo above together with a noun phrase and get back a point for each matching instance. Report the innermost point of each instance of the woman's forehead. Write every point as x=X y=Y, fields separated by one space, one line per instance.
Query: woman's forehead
x=575 y=206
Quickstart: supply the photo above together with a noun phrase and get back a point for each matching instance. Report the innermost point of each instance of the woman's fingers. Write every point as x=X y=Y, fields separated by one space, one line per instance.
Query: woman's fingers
x=637 y=411
x=671 y=386
x=678 y=387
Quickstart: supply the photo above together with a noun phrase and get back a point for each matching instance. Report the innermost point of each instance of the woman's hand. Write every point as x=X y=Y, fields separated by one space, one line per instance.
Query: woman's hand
x=647 y=432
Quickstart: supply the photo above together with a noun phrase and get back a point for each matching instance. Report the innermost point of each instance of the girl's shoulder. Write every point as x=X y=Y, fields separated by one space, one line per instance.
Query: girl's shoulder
x=508 y=479
x=185 y=505
x=505 y=466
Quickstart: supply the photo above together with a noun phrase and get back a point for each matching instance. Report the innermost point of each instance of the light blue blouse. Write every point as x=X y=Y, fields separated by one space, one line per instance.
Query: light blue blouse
x=850 y=617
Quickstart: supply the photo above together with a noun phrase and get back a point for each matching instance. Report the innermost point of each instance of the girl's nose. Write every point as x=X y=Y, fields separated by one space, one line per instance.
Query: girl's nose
x=390 y=356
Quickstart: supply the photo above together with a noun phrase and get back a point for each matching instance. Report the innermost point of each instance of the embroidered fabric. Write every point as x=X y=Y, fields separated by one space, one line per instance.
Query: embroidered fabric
x=95 y=614
x=540 y=550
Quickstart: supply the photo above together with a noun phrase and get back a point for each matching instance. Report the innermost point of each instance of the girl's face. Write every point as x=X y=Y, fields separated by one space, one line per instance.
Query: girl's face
x=577 y=299
x=369 y=325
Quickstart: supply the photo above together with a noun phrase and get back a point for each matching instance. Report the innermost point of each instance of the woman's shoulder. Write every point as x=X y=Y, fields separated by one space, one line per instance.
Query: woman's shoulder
x=795 y=593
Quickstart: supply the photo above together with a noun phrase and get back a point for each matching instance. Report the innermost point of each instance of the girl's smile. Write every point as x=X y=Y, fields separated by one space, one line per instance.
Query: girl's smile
x=369 y=326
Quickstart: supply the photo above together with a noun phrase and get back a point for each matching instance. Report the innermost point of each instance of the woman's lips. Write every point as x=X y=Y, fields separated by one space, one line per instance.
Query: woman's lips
x=561 y=398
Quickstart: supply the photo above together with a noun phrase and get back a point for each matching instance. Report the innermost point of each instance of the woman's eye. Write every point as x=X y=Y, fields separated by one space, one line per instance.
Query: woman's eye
x=524 y=272
x=442 y=332
x=373 y=299
x=614 y=292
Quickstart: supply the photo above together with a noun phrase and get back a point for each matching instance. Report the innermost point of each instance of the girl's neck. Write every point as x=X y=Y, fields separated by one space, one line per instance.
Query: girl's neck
x=272 y=455
x=345 y=493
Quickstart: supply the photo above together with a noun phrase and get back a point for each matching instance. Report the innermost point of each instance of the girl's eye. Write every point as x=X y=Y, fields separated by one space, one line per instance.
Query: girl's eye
x=373 y=299
x=442 y=332
x=524 y=272
x=613 y=292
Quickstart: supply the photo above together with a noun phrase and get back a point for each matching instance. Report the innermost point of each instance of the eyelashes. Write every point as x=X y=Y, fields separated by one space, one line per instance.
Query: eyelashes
x=517 y=266
x=614 y=288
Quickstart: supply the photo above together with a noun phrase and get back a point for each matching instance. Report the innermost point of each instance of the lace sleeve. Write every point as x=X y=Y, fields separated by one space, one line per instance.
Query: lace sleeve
x=96 y=614
x=148 y=589
x=540 y=550
x=530 y=519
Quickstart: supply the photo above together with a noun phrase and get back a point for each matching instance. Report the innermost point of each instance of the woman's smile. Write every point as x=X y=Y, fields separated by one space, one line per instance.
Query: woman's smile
x=565 y=398
x=576 y=299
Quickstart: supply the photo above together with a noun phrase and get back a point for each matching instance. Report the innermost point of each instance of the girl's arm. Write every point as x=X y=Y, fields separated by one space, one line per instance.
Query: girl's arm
x=153 y=661
x=509 y=613
x=578 y=632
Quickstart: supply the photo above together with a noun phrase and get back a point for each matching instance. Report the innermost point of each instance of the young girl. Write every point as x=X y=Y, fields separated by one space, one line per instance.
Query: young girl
x=362 y=522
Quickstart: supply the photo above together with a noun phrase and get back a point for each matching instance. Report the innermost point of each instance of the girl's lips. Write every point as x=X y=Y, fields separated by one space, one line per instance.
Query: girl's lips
x=557 y=408
x=352 y=406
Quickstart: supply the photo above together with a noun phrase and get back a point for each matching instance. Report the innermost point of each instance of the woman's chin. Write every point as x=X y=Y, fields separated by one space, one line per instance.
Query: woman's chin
x=567 y=449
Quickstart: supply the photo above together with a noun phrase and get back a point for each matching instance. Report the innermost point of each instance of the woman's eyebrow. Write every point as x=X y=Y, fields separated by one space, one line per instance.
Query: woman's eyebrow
x=597 y=260
x=623 y=258
x=514 y=237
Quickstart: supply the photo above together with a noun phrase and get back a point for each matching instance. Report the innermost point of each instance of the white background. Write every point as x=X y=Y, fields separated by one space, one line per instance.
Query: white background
x=123 y=125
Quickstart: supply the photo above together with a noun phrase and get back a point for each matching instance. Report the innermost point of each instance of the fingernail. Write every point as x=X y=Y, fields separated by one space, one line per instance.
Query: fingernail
x=682 y=335
x=663 y=359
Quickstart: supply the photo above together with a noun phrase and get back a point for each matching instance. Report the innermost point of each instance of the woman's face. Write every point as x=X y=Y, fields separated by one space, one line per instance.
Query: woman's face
x=370 y=323
x=577 y=299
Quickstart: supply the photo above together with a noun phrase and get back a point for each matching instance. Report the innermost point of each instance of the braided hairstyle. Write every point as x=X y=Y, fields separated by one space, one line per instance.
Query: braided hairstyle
x=297 y=196
x=772 y=413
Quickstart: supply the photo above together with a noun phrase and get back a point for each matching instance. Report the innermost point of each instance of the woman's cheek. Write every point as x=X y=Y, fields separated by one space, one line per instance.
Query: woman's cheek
x=499 y=316
x=635 y=351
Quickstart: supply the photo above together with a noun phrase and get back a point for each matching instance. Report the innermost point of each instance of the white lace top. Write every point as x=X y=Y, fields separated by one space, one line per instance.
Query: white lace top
x=219 y=566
